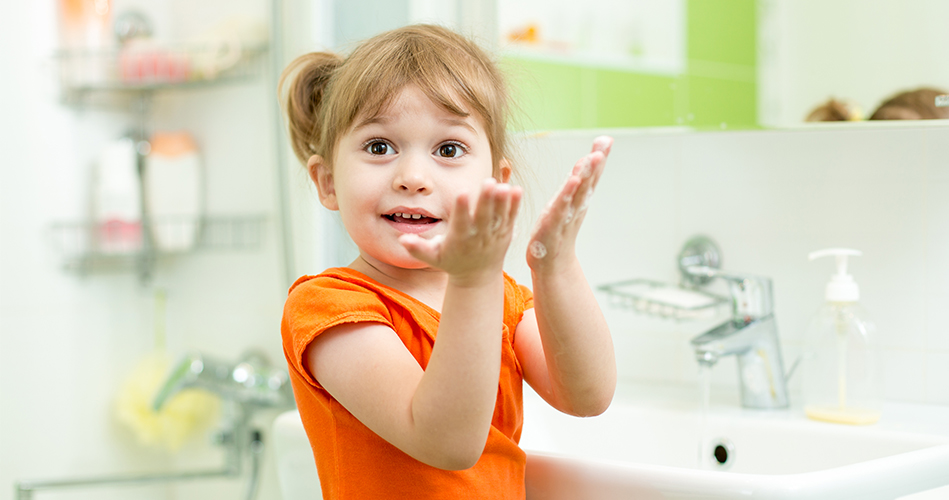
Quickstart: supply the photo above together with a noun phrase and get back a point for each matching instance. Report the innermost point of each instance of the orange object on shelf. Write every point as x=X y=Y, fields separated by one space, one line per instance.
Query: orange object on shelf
x=529 y=34
x=85 y=23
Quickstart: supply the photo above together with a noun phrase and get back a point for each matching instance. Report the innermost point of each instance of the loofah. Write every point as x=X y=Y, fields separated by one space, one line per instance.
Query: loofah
x=185 y=414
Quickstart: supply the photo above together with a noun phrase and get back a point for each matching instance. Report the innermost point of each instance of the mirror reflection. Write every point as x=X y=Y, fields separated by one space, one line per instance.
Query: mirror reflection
x=727 y=63
x=858 y=52
x=705 y=64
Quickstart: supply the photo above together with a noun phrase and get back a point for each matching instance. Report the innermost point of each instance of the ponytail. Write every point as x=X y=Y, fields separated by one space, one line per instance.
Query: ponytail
x=302 y=86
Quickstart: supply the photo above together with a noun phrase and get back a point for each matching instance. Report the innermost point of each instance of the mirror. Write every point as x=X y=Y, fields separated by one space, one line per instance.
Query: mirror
x=704 y=64
x=723 y=64
x=860 y=51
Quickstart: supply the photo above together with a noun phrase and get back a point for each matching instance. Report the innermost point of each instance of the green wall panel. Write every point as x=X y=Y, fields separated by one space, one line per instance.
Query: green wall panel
x=718 y=85
x=722 y=55
x=546 y=95
x=717 y=103
x=722 y=31
x=627 y=99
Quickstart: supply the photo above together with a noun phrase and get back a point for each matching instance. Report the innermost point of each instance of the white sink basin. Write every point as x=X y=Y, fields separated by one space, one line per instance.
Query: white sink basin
x=649 y=450
x=296 y=468
x=646 y=447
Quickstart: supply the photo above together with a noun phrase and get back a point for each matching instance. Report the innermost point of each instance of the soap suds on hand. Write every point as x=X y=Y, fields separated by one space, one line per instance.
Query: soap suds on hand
x=537 y=250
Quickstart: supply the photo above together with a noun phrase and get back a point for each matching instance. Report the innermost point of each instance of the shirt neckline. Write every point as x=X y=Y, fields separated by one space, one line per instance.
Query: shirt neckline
x=388 y=289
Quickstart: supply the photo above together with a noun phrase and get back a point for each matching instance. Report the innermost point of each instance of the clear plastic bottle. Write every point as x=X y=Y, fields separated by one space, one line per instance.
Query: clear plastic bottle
x=842 y=370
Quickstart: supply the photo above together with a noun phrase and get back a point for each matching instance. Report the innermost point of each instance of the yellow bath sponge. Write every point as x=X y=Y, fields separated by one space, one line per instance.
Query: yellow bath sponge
x=185 y=414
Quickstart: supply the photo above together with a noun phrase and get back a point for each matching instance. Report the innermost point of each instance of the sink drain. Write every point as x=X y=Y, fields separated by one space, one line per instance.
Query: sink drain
x=722 y=453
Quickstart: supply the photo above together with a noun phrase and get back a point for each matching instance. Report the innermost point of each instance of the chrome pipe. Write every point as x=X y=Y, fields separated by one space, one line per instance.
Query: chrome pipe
x=25 y=489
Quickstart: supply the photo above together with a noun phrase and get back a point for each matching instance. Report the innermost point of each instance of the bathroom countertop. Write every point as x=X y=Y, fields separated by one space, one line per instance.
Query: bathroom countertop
x=724 y=402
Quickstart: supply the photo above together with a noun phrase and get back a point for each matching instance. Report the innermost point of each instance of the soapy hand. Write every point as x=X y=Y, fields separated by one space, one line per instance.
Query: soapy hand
x=555 y=233
x=473 y=249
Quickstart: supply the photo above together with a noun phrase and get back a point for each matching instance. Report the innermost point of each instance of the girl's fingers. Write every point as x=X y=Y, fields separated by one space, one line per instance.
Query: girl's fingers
x=599 y=166
x=484 y=209
x=491 y=213
x=516 y=194
x=586 y=171
x=562 y=210
x=424 y=250
x=559 y=222
x=506 y=212
x=497 y=208
x=480 y=225
x=603 y=144
x=461 y=218
x=591 y=177
x=589 y=168
x=580 y=165
x=593 y=173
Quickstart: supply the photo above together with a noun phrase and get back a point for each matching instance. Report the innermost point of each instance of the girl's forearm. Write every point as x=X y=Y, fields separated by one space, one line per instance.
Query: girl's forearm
x=455 y=399
x=576 y=339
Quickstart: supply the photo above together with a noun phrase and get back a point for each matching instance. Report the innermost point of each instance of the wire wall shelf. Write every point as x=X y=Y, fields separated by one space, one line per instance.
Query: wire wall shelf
x=146 y=68
x=90 y=247
x=655 y=298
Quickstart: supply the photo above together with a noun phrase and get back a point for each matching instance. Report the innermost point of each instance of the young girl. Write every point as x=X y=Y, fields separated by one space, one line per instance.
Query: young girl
x=407 y=364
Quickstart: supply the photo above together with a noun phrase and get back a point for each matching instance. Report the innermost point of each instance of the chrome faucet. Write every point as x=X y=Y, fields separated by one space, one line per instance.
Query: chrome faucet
x=751 y=334
x=251 y=381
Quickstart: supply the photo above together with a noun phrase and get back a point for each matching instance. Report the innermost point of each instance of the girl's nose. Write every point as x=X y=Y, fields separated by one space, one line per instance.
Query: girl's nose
x=412 y=177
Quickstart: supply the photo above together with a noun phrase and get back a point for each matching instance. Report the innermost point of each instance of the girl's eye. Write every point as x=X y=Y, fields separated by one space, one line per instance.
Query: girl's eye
x=380 y=148
x=450 y=150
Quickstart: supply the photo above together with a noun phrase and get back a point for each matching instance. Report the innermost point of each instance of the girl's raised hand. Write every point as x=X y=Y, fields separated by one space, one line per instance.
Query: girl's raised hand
x=473 y=249
x=552 y=240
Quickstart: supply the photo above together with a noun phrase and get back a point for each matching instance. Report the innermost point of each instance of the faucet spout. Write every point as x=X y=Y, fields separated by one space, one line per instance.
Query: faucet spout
x=193 y=371
x=251 y=381
x=760 y=366
x=730 y=337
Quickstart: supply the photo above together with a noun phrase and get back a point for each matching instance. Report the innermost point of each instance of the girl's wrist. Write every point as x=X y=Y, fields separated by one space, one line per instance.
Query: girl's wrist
x=552 y=265
x=475 y=279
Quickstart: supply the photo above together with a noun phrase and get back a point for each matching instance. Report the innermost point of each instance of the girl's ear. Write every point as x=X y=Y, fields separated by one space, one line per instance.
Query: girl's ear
x=323 y=178
x=504 y=167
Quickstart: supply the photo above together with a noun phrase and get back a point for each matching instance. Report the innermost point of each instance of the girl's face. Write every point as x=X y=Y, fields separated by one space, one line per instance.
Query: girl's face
x=400 y=172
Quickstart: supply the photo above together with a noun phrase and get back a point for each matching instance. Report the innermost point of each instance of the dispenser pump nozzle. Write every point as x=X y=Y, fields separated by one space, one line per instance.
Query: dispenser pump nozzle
x=841 y=287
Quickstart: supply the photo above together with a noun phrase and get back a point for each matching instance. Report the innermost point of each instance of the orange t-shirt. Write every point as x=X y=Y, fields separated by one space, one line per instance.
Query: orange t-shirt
x=355 y=463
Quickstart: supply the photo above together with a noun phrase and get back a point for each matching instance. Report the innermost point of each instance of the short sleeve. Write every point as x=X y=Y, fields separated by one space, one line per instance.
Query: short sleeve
x=316 y=304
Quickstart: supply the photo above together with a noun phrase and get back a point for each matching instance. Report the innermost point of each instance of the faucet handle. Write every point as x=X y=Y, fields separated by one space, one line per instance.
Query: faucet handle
x=750 y=294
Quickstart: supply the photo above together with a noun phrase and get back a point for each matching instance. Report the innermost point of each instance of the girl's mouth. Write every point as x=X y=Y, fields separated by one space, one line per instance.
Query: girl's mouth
x=411 y=223
x=407 y=218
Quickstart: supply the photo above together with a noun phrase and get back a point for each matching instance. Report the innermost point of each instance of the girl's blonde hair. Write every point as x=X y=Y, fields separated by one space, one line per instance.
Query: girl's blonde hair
x=325 y=93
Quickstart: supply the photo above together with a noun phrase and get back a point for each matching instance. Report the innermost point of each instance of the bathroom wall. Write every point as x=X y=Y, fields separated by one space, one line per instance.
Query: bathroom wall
x=768 y=198
x=68 y=342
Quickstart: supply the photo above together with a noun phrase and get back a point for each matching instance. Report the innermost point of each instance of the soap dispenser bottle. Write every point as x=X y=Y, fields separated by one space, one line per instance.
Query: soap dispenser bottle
x=842 y=369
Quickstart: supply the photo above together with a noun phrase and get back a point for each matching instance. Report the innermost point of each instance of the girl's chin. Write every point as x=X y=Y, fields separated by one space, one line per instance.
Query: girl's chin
x=401 y=260
x=412 y=263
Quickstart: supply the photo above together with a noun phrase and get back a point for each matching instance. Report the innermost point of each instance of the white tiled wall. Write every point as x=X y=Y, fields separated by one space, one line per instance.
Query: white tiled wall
x=768 y=198
x=69 y=342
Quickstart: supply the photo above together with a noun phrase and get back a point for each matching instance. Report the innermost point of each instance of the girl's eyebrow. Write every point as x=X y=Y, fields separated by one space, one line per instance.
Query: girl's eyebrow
x=458 y=122
x=382 y=120
x=378 y=119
